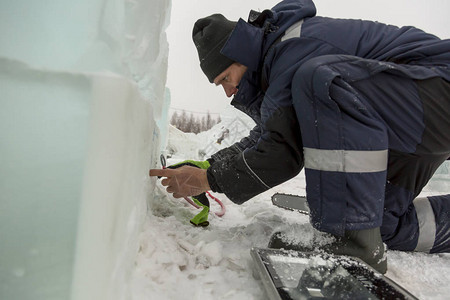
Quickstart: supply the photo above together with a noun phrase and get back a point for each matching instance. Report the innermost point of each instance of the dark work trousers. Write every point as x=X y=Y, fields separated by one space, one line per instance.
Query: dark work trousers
x=373 y=136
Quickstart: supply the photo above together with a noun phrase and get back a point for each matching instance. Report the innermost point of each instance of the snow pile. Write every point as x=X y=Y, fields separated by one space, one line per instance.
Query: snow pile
x=179 y=261
x=180 y=143
x=83 y=87
x=234 y=126
x=309 y=237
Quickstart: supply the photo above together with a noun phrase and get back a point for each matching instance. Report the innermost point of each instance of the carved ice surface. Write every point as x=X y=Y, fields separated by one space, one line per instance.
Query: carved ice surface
x=82 y=98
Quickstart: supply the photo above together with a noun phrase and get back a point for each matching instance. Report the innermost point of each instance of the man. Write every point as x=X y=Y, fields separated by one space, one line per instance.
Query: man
x=363 y=106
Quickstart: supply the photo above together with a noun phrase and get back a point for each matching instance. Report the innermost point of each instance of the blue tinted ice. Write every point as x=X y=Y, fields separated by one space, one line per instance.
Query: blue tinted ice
x=82 y=87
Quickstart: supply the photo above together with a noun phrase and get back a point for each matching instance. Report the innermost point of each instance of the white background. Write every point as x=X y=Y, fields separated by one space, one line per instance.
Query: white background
x=190 y=89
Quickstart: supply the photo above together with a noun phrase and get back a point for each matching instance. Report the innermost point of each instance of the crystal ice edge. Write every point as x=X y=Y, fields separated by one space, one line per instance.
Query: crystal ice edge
x=73 y=144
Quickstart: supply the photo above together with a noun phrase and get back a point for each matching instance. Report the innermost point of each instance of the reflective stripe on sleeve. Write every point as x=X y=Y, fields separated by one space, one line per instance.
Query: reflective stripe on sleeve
x=293 y=31
x=254 y=174
x=427 y=224
x=348 y=161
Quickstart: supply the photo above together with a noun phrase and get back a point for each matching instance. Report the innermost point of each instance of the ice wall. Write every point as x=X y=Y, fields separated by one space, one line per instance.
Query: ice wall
x=82 y=93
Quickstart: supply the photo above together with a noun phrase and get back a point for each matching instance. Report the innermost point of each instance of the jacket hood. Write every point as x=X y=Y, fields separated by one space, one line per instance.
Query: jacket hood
x=248 y=43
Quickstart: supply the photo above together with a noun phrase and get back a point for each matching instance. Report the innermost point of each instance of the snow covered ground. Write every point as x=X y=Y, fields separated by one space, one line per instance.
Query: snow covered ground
x=179 y=261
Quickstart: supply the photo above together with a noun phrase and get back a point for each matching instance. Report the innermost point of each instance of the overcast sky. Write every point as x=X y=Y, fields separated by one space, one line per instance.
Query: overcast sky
x=190 y=89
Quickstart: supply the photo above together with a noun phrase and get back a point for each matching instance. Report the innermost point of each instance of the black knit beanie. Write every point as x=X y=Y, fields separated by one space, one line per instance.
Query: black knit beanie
x=209 y=35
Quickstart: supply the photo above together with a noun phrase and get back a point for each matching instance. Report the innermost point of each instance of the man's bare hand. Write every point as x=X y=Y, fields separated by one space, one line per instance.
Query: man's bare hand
x=184 y=181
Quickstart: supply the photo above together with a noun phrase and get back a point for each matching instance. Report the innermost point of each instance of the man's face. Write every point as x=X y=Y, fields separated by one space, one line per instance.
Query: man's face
x=230 y=78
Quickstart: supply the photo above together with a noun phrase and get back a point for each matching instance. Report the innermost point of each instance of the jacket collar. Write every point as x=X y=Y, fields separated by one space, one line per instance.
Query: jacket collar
x=249 y=41
x=285 y=14
x=245 y=45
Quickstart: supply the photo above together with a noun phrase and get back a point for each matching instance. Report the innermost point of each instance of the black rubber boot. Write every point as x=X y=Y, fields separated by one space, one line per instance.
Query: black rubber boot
x=364 y=244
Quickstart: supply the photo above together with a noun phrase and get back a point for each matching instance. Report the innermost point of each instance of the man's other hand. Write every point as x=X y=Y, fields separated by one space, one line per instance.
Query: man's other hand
x=184 y=181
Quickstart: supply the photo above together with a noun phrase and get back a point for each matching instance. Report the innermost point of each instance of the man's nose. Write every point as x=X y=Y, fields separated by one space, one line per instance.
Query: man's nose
x=230 y=91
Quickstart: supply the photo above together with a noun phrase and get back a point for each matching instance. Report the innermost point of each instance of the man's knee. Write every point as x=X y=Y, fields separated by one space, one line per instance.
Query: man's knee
x=424 y=227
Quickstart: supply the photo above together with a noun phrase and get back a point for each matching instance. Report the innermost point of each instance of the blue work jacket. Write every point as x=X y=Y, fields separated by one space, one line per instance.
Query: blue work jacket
x=273 y=47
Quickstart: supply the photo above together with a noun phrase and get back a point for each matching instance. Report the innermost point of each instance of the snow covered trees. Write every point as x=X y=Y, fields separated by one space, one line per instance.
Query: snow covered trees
x=193 y=123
